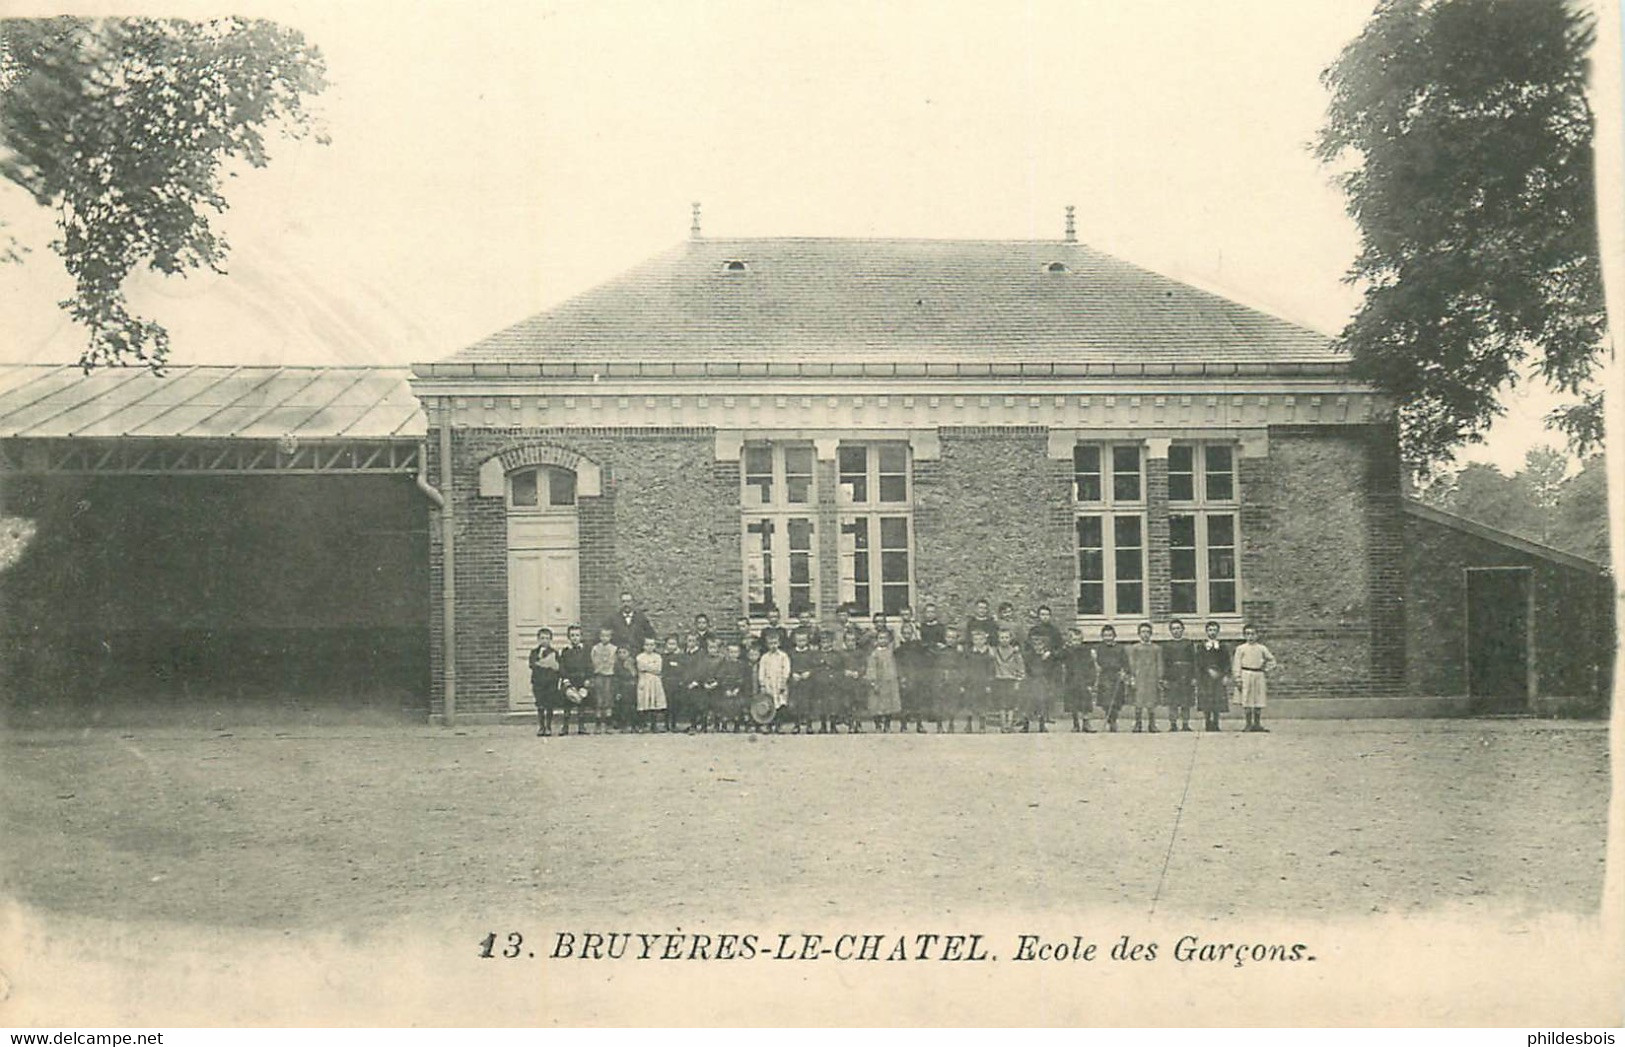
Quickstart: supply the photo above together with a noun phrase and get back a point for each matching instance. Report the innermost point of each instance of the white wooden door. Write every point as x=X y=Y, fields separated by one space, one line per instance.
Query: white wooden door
x=543 y=590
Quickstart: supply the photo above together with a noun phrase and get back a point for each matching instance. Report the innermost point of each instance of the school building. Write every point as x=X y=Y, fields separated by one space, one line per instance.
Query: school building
x=744 y=423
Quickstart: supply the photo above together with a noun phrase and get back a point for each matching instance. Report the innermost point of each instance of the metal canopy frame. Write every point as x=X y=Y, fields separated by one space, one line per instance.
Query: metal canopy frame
x=228 y=457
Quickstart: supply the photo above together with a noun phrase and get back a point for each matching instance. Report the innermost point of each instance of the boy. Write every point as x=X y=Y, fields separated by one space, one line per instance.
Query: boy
x=933 y=633
x=803 y=686
x=981 y=618
x=1043 y=669
x=731 y=700
x=1179 y=676
x=773 y=674
x=1078 y=672
x=742 y=627
x=947 y=690
x=1145 y=679
x=1212 y=678
x=544 y=682
x=912 y=659
x=774 y=628
x=603 y=656
x=673 y=677
x=1253 y=661
x=1111 y=674
x=1009 y=676
x=575 y=679
x=977 y=674
x=702 y=631
x=848 y=665
x=705 y=686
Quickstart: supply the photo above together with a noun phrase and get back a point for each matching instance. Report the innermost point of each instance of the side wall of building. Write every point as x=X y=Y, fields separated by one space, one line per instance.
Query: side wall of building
x=1573 y=613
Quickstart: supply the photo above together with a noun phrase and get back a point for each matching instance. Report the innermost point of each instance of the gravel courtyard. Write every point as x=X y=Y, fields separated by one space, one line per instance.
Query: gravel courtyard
x=353 y=826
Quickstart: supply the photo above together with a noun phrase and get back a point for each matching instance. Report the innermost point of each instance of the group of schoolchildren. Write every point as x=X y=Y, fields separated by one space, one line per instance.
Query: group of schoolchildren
x=798 y=679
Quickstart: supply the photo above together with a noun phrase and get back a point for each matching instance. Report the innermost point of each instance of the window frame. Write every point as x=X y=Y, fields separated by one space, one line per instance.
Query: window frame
x=1108 y=509
x=874 y=511
x=543 y=505
x=1203 y=508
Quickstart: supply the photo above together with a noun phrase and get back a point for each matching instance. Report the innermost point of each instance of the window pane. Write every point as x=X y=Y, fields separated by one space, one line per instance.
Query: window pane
x=561 y=487
x=1128 y=560
x=894 y=598
x=1222 y=598
x=1089 y=532
x=798 y=474
x=1129 y=598
x=1086 y=472
x=801 y=531
x=1091 y=598
x=759 y=565
x=1091 y=565
x=893 y=488
x=758 y=475
x=523 y=488
x=1183 y=597
x=1126 y=530
x=1182 y=564
x=1181 y=458
x=894 y=532
x=1221 y=530
x=1221 y=564
x=893 y=458
x=1182 y=531
x=854 y=583
x=853 y=465
x=1181 y=473
x=894 y=567
x=1221 y=472
x=1181 y=487
x=1126 y=473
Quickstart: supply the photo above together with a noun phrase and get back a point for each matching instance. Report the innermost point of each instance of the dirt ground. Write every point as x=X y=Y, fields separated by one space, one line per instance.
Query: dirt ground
x=348 y=827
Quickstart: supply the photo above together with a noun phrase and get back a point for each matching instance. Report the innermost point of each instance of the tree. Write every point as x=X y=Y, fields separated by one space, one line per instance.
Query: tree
x=1464 y=138
x=121 y=127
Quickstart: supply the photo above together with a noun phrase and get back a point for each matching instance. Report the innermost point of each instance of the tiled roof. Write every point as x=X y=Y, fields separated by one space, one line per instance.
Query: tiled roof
x=312 y=403
x=897 y=301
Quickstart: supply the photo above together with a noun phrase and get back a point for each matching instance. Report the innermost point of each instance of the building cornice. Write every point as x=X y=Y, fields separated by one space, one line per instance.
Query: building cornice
x=600 y=371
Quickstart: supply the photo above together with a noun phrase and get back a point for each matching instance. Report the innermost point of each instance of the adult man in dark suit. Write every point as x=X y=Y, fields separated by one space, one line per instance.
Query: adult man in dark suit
x=629 y=626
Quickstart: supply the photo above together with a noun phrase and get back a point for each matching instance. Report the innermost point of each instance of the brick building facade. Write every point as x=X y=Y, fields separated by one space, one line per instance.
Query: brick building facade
x=889 y=423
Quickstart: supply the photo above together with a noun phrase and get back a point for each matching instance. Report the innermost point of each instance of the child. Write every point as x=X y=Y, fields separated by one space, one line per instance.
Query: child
x=1111 y=669
x=705 y=686
x=933 y=632
x=742 y=627
x=672 y=678
x=651 y=693
x=828 y=684
x=977 y=675
x=947 y=686
x=849 y=661
x=1212 y=678
x=803 y=687
x=912 y=659
x=1145 y=679
x=1006 y=619
x=626 y=689
x=805 y=622
x=1253 y=661
x=1043 y=670
x=702 y=631
x=1179 y=676
x=773 y=627
x=575 y=679
x=1009 y=676
x=885 y=696
x=603 y=676
x=773 y=674
x=1046 y=627
x=981 y=618
x=544 y=682
x=731 y=700
x=1078 y=673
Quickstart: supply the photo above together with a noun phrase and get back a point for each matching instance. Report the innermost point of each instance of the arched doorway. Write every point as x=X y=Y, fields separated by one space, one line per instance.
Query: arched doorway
x=544 y=569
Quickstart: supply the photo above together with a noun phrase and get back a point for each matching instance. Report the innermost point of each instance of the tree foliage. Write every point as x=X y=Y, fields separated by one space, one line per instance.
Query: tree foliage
x=1464 y=138
x=122 y=126
x=1538 y=502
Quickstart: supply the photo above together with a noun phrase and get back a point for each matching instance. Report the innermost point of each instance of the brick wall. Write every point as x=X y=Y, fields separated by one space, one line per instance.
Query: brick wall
x=1573 y=613
x=993 y=518
x=1321 y=559
x=665 y=527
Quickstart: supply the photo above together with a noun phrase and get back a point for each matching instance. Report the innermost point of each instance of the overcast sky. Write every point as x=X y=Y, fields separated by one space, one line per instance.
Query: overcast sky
x=491 y=159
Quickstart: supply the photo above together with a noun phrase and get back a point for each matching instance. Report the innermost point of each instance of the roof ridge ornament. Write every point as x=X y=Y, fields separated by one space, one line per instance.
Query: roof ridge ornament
x=1071 y=224
x=694 y=221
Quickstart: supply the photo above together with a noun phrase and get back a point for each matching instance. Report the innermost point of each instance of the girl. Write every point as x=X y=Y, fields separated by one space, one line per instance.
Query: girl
x=885 y=696
x=912 y=660
x=651 y=694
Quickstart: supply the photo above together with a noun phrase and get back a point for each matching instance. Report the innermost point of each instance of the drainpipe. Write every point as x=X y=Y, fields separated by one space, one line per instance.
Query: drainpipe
x=448 y=574
x=422 y=478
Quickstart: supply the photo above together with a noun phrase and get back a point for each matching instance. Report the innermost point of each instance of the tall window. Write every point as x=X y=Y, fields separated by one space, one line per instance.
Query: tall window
x=1202 y=538
x=780 y=534
x=875 y=495
x=1108 y=491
